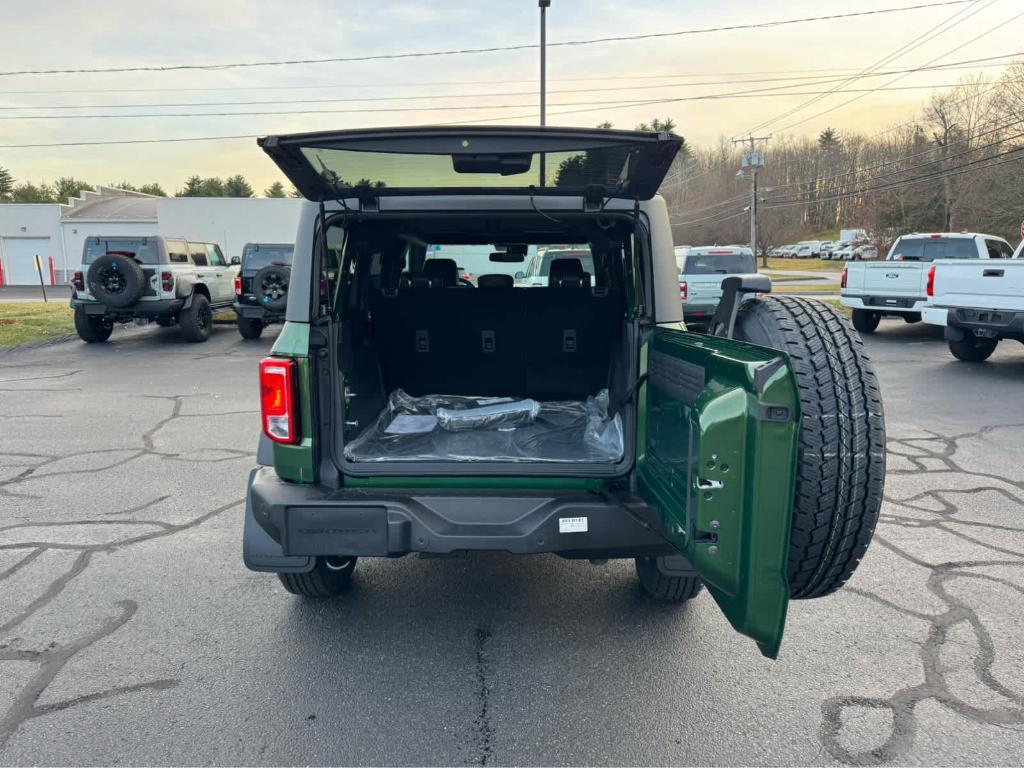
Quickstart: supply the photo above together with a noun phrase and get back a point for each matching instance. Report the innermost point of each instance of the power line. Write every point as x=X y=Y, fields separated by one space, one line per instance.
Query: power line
x=924 y=37
x=490 y=49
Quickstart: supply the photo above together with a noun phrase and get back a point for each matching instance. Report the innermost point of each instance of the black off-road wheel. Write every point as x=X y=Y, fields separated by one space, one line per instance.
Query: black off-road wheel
x=973 y=349
x=196 y=320
x=666 y=588
x=841 y=450
x=865 y=321
x=92 y=329
x=249 y=328
x=330 y=576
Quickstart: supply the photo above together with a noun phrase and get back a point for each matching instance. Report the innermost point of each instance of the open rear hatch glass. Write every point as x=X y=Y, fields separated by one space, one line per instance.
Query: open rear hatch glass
x=475 y=160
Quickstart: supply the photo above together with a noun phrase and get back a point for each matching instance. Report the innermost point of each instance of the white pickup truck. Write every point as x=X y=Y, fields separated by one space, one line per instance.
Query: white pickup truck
x=896 y=287
x=979 y=304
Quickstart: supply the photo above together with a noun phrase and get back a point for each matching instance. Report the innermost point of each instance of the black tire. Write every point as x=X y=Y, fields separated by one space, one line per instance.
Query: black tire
x=668 y=589
x=865 y=320
x=250 y=328
x=841 y=450
x=116 y=280
x=197 y=320
x=329 y=577
x=913 y=317
x=270 y=286
x=973 y=349
x=92 y=329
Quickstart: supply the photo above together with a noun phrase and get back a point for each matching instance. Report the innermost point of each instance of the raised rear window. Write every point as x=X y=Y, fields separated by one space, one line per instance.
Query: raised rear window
x=719 y=264
x=143 y=249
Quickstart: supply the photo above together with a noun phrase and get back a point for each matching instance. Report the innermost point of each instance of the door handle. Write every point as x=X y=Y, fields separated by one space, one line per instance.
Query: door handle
x=993 y=273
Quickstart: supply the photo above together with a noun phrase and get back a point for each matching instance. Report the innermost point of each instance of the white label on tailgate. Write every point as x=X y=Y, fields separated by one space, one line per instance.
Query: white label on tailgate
x=572 y=525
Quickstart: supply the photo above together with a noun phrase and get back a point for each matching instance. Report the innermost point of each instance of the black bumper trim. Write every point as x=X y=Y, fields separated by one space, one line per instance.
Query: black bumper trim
x=304 y=521
x=256 y=312
x=1006 y=324
x=159 y=308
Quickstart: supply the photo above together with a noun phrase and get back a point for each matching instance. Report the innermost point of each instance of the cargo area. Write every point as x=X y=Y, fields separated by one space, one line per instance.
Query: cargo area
x=442 y=365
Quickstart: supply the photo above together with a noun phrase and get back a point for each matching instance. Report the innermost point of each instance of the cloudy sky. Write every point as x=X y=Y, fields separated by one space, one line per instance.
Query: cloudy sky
x=600 y=78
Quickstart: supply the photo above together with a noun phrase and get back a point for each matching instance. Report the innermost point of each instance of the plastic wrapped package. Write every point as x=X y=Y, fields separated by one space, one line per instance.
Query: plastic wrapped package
x=457 y=428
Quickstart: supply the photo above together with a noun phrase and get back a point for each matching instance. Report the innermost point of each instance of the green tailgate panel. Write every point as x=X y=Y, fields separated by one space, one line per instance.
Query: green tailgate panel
x=718 y=455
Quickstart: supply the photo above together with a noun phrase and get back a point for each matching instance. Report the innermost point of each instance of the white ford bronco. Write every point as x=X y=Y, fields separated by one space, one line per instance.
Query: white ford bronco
x=167 y=280
x=405 y=411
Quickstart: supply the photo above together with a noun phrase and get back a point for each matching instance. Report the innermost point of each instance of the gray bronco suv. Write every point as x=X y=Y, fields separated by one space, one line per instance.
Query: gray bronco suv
x=405 y=411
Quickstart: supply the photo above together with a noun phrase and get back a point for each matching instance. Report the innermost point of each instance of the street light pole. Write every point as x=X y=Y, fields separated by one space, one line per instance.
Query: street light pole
x=543 y=5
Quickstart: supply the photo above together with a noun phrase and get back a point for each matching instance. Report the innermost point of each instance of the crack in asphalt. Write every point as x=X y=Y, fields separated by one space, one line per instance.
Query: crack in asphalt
x=935 y=686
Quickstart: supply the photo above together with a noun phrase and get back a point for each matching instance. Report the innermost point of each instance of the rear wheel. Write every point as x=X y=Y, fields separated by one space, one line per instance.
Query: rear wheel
x=196 y=320
x=841 y=448
x=663 y=586
x=329 y=577
x=250 y=329
x=865 y=321
x=973 y=349
x=912 y=317
x=92 y=328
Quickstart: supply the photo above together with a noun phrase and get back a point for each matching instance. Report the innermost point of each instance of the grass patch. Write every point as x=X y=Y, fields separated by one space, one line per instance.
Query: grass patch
x=805 y=265
x=21 y=322
x=830 y=288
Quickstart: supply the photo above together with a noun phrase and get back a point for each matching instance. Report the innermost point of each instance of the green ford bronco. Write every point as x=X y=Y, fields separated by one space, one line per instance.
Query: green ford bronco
x=407 y=410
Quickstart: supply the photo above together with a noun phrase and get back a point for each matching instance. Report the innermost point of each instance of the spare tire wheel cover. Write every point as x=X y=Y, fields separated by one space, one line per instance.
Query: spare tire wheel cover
x=270 y=285
x=116 y=280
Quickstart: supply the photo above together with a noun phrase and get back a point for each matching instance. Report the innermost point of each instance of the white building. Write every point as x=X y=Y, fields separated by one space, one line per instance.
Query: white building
x=57 y=232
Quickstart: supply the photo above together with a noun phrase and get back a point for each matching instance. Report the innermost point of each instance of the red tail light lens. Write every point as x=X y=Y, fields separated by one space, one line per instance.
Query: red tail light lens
x=683 y=291
x=277 y=399
x=167 y=281
x=78 y=281
x=929 y=288
x=238 y=285
x=842 y=280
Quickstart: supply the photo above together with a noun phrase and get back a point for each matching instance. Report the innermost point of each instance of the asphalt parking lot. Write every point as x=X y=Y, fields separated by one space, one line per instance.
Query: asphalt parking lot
x=131 y=633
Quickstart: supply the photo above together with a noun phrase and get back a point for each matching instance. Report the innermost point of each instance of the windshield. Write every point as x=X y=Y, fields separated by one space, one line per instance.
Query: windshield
x=929 y=249
x=143 y=249
x=719 y=264
x=541 y=266
x=259 y=256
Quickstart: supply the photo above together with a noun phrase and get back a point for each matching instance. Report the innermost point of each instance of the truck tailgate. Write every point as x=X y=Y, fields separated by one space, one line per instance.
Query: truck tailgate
x=986 y=284
x=893 y=278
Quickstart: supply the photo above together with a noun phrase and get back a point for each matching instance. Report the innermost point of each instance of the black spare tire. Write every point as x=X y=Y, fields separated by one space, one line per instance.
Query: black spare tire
x=116 y=280
x=841 y=447
x=270 y=287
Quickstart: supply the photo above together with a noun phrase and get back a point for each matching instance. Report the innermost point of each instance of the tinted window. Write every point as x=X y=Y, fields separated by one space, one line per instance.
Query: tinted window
x=214 y=255
x=910 y=250
x=198 y=253
x=932 y=248
x=259 y=256
x=142 y=249
x=177 y=251
x=720 y=264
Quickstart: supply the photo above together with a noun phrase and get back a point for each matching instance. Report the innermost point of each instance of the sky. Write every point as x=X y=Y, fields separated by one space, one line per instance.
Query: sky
x=496 y=87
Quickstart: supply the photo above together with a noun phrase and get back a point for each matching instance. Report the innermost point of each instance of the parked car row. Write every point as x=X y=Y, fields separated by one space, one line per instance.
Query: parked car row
x=945 y=279
x=176 y=281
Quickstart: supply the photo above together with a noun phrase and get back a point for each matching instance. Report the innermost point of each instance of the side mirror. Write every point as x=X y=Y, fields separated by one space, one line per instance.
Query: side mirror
x=520 y=275
x=235 y=261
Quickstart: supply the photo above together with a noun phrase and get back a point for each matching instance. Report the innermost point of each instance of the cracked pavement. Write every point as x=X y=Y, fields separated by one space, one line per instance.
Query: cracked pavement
x=131 y=633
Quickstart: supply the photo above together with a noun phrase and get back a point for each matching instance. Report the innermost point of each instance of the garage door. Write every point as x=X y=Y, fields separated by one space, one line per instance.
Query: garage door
x=19 y=259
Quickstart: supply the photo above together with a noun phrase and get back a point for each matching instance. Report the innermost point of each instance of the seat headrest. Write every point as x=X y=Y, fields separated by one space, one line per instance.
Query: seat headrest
x=446 y=270
x=567 y=273
x=419 y=281
x=495 y=281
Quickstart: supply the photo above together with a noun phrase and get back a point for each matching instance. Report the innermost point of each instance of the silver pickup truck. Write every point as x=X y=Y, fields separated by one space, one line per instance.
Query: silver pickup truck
x=978 y=303
x=701 y=271
x=896 y=287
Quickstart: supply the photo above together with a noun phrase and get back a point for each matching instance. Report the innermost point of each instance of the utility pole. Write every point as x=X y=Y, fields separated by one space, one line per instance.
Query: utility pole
x=543 y=5
x=752 y=162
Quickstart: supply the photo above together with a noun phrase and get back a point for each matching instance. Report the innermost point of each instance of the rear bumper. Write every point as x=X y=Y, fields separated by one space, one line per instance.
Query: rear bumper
x=155 y=308
x=889 y=305
x=1004 y=324
x=699 y=311
x=288 y=525
x=256 y=312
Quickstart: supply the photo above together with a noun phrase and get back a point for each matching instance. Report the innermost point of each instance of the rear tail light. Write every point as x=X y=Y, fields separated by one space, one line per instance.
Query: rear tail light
x=842 y=280
x=78 y=281
x=167 y=281
x=277 y=399
x=683 y=290
x=238 y=285
x=929 y=287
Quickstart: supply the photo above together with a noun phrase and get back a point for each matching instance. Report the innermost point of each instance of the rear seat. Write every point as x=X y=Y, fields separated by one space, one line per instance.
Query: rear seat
x=552 y=343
